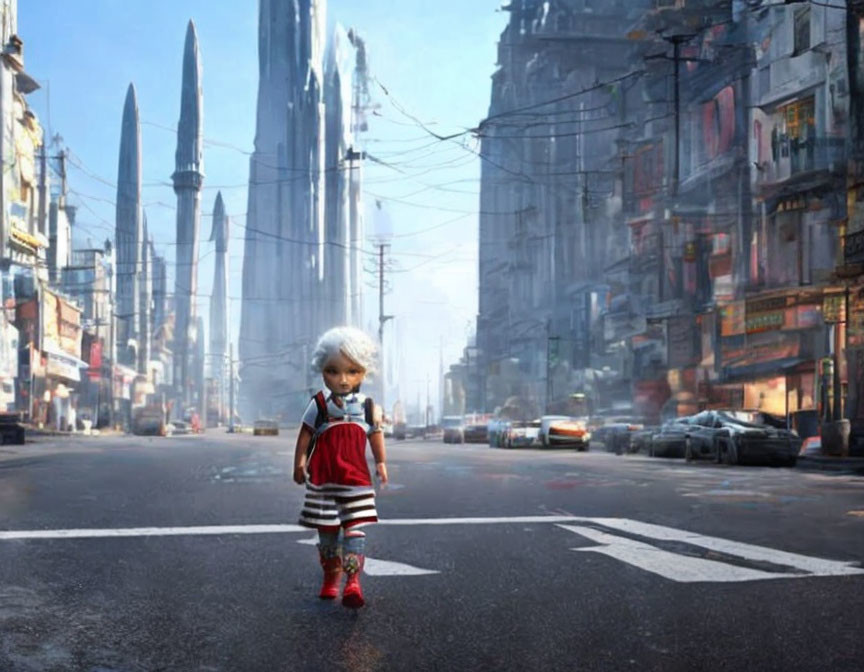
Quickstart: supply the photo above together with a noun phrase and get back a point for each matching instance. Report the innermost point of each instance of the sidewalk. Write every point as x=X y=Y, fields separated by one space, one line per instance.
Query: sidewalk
x=31 y=432
x=853 y=465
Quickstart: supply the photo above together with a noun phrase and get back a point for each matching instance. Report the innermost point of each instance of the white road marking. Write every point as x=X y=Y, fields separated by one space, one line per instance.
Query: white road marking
x=816 y=566
x=681 y=568
x=638 y=553
x=374 y=567
x=150 y=532
x=259 y=529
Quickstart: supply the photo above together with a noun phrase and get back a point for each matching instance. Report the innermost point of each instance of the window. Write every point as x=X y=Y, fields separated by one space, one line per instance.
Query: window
x=802 y=30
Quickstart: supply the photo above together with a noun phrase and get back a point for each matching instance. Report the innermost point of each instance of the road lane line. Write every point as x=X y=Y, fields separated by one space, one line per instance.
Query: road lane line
x=151 y=531
x=680 y=568
x=816 y=566
x=260 y=529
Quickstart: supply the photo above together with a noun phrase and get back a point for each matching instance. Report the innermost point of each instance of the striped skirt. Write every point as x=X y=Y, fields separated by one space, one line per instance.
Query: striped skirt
x=328 y=507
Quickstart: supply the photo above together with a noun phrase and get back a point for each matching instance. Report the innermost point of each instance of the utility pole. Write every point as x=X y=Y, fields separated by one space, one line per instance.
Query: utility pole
x=382 y=318
x=62 y=158
x=42 y=224
x=677 y=41
x=231 y=388
x=112 y=347
x=428 y=408
x=550 y=387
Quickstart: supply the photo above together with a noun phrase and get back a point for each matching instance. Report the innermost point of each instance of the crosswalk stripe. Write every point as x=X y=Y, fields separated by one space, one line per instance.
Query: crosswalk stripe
x=815 y=566
x=680 y=568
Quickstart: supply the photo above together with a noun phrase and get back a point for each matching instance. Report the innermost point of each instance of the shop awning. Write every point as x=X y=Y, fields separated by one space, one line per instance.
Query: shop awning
x=61 y=364
x=745 y=370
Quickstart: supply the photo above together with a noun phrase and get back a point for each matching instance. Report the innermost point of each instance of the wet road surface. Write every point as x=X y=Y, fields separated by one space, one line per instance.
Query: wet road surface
x=486 y=559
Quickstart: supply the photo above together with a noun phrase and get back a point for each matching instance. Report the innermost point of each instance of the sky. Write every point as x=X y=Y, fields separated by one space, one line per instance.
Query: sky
x=432 y=62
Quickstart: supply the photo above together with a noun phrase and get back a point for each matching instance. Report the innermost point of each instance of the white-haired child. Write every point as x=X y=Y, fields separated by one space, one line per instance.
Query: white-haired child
x=330 y=459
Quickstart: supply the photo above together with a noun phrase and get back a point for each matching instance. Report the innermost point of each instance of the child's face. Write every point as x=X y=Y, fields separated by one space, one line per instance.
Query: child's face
x=342 y=375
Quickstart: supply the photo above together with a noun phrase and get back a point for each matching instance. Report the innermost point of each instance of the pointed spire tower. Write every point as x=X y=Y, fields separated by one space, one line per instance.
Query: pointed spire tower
x=128 y=231
x=188 y=178
x=219 y=302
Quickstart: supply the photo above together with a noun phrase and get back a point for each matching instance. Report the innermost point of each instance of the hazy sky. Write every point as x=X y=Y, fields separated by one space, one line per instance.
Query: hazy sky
x=435 y=60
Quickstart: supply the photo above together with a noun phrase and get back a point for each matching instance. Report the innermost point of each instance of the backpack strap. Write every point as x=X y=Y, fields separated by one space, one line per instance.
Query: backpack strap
x=321 y=403
x=369 y=412
x=320 y=419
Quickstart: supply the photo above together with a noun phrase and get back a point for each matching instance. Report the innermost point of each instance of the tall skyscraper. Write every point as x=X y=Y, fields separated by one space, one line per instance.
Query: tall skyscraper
x=188 y=178
x=219 y=334
x=282 y=312
x=128 y=233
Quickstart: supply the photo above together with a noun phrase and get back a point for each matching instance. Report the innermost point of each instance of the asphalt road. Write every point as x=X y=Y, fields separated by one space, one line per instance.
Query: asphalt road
x=486 y=559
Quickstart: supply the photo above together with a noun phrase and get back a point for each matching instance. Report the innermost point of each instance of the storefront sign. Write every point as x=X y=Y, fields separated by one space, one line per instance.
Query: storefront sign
x=681 y=341
x=760 y=322
x=853 y=250
x=732 y=316
x=69 y=327
x=834 y=308
x=95 y=371
x=58 y=366
x=856 y=320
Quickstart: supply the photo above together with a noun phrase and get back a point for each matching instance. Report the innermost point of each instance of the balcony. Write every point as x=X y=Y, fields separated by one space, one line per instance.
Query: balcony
x=800 y=163
x=853 y=248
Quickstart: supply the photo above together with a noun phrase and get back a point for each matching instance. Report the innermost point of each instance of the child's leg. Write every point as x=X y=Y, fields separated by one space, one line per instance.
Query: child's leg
x=355 y=542
x=331 y=563
x=352 y=564
x=328 y=544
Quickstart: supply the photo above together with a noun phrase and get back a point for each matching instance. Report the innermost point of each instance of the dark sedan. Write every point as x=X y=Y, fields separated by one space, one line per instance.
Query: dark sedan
x=476 y=432
x=735 y=437
x=671 y=439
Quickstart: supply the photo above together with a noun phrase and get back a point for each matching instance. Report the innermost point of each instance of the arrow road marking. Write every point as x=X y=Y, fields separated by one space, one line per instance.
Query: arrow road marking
x=687 y=569
x=374 y=567
x=815 y=566
x=681 y=568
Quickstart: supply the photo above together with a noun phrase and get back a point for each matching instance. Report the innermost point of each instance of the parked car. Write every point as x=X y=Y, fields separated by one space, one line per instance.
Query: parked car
x=452 y=425
x=476 y=432
x=178 y=427
x=811 y=446
x=12 y=427
x=616 y=435
x=497 y=432
x=400 y=431
x=732 y=437
x=640 y=440
x=265 y=428
x=522 y=434
x=149 y=421
x=562 y=430
x=671 y=439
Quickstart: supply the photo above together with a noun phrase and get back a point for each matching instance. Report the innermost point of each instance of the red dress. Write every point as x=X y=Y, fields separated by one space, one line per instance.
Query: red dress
x=339 y=490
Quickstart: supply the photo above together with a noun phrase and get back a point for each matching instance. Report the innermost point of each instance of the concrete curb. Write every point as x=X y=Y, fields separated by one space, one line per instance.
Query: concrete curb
x=853 y=465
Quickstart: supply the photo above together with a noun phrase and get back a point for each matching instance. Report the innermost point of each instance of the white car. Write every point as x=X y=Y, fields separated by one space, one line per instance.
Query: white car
x=562 y=430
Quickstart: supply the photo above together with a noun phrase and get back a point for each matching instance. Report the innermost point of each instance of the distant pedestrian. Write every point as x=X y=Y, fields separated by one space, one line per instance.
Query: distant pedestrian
x=330 y=459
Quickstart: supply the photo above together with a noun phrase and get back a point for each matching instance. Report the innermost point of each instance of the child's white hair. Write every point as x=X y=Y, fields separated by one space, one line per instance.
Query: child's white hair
x=354 y=343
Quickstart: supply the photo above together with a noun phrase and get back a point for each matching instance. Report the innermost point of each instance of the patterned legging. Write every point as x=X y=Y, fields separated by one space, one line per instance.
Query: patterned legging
x=353 y=541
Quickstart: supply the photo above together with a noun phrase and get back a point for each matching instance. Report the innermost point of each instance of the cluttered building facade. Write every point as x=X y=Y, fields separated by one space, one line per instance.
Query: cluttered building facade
x=667 y=222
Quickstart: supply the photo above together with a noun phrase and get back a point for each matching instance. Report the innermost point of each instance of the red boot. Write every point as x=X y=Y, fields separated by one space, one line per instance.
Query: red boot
x=352 y=594
x=332 y=577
